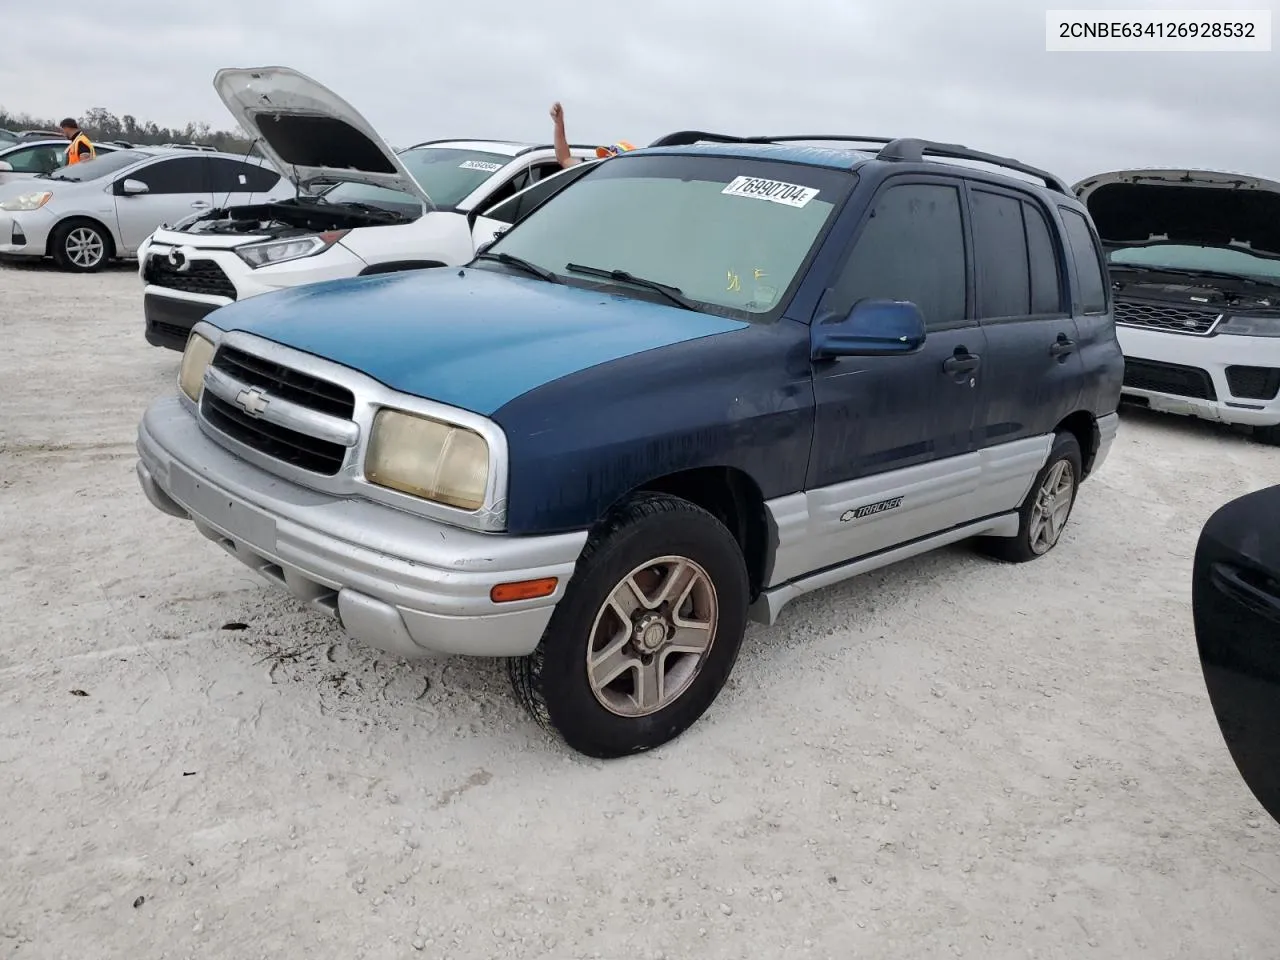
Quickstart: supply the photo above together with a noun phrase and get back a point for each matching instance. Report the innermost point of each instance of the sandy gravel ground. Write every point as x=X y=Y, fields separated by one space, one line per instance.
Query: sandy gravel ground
x=949 y=758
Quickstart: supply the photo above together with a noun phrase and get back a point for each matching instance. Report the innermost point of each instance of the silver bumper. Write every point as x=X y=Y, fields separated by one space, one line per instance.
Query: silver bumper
x=401 y=583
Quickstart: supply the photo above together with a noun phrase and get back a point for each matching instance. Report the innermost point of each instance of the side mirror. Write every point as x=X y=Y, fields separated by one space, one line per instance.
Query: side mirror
x=1235 y=604
x=6 y=166
x=133 y=188
x=873 y=328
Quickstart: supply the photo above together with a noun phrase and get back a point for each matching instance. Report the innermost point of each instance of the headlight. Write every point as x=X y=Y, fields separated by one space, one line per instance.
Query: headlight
x=427 y=458
x=292 y=248
x=195 y=360
x=27 y=201
x=1251 y=326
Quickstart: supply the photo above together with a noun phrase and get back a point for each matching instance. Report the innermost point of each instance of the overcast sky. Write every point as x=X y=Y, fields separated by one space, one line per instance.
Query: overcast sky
x=973 y=72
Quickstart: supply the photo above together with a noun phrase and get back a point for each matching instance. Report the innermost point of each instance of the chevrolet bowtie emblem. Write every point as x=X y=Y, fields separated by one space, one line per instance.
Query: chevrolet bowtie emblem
x=252 y=401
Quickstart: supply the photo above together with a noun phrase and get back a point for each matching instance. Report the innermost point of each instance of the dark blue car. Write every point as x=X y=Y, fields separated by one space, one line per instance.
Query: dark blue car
x=699 y=381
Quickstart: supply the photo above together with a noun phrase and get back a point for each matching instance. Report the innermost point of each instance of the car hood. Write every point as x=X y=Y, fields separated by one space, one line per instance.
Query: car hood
x=1200 y=207
x=471 y=338
x=308 y=132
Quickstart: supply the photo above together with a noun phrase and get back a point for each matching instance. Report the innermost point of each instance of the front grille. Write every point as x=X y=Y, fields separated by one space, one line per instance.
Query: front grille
x=286 y=383
x=1253 y=383
x=289 y=446
x=203 y=276
x=1166 y=317
x=1170 y=378
x=279 y=381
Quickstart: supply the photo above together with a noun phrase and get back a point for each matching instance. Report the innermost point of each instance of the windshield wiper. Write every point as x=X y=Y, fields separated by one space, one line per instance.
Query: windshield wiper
x=510 y=260
x=674 y=294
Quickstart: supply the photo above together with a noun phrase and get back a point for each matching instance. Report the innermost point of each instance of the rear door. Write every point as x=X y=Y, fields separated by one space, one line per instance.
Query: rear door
x=176 y=188
x=1235 y=596
x=1033 y=368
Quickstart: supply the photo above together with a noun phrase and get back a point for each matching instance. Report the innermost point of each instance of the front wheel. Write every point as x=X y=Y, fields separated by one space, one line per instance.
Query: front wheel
x=646 y=634
x=1045 y=511
x=80 y=246
x=1268 y=435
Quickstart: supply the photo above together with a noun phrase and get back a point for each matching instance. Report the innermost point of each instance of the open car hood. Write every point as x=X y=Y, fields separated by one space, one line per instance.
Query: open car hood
x=310 y=133
x=1200 y=207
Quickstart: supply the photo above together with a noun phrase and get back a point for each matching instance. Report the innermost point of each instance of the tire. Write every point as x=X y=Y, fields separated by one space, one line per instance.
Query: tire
x=1061 y=472
x=616 y=717
x=1268 y=435
x=80 y=246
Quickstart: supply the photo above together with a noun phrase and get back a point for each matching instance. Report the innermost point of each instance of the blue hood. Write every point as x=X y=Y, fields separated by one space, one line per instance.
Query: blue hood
x=473 y=339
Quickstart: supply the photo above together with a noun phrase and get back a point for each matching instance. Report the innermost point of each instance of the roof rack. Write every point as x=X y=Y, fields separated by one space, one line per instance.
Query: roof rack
x=913 y=150
x=903 y=149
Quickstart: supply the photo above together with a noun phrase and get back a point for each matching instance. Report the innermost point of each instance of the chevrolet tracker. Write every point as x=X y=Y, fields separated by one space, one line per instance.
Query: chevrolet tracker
x=703 y=379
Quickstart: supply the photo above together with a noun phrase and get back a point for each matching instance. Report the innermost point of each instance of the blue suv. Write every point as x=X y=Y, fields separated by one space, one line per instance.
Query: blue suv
x=700 y=380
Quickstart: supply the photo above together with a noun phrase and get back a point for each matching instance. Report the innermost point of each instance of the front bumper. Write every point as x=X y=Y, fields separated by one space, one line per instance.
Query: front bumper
x=169 y=319
x=24 y=233
x=1198 y=382
x=401 y=583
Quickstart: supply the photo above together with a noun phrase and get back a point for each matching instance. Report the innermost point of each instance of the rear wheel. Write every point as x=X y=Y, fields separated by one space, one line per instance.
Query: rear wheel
x=1045 y=511
x=646 y=634
x=80 y=245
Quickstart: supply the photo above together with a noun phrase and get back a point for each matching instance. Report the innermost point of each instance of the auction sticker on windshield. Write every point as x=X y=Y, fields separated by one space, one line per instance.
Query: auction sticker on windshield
x=775 y=191
x=484 y=165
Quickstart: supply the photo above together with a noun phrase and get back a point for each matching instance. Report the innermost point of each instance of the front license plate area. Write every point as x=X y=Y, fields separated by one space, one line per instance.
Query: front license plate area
x=235 y=517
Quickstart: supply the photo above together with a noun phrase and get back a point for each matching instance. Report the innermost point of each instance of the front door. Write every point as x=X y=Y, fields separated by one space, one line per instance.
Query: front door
x=893 y=436
x=176 y=188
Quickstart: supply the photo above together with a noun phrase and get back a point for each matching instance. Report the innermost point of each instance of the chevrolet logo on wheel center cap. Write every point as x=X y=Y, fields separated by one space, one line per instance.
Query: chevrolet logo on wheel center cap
x=253 y=401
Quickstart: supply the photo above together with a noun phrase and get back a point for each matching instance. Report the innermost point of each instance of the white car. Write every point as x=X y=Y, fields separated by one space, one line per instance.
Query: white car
x=24 y=159
x=360 y=208
x=1194 y=260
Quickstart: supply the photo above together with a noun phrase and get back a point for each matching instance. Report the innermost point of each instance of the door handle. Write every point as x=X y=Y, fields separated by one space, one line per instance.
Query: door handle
x=1061 y=347
x=962 y=361
x=1235 y=583
x=199 y=204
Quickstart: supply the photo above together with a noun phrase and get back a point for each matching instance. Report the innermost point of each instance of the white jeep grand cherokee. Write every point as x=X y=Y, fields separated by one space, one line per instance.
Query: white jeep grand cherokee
x=1194 y=258
x=361 y=207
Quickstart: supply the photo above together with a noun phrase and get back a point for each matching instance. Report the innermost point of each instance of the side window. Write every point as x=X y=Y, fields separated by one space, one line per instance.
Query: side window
x=1046 y=285
x=1000 y=255
x=515 y=208
x=232 y=176
x=911 y=248
x=35 y=159
x=179 y=175
x=1088 y=259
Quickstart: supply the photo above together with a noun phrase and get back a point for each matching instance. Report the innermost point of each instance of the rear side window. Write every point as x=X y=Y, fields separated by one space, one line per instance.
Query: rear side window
x=1000 y=255
x=1088 y=261
x=234 y=176
x=36 y=159
x=1046 y=283
x=911 y=248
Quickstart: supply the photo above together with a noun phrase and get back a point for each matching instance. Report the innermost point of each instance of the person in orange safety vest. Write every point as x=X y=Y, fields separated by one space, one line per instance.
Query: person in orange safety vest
x=80 y=147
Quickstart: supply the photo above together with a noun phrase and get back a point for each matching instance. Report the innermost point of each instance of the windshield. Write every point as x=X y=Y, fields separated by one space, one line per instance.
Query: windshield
x=731 y=234
x=1190 y=257
x=447 y=174
x=102 y=165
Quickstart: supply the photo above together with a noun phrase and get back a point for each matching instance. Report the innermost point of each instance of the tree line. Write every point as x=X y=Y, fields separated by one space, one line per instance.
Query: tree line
x=101 y=124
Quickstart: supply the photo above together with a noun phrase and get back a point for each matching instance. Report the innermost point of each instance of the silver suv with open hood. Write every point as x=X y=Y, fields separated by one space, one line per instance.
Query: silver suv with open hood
x=361 y=207
x=1194 y=260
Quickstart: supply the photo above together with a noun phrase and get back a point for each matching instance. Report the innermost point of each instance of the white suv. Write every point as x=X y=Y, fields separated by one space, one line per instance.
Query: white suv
x=1194 y=258
x=361 y=207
